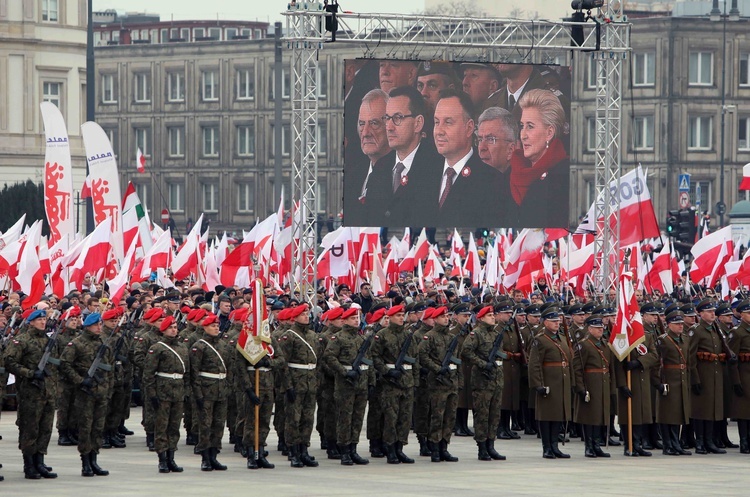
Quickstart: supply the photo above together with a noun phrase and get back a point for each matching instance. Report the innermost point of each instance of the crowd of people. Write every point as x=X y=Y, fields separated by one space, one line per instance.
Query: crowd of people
x=390 y=364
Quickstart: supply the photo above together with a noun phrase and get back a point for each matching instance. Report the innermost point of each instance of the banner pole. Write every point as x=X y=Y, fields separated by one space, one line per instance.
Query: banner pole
x=257 y=415
x=630 y=416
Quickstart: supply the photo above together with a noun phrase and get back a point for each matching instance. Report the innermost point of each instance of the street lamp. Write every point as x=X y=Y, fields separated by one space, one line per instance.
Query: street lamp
x=90 y=98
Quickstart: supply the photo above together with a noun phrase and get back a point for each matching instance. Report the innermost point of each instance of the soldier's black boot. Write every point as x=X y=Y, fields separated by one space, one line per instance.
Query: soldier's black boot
x=708 y=427
x=333 y=450
x=376 y=448
x=638 y=437
x=742 y=428
x=595 y=442
x=458 y=427
x=724 y=436
x=666 y=439
x=674 y=436
x=150 y=442
x=306 y=458
x=626 y=449
x=252 y=462
x=390 y=454
x=173 y=467
x=516 y=419
x=482 y=454
x=654 y=436
x=588 y=441
x=529 y=421
x=192 y=439
x=399 y=446
x=115 y=440
x=424 y=449
x=602 y=430
x=206 y=461
x=700 y=433
x=346 y=457
x=73 y=435
x=688 y=436
x=324 y=444
x=42 y=468
x=212 y=453
x=444 y=454
x=282 y=447
x=86 y=465
x=503 y=431
x=434 y=451
x=123 y=430
x=356 y=457
x=98 y=471
x=294 y=456
x=262 y=461
x=492 y=452
x=63 y=439
x=163 y=467
x=544 y=433
x=29 y=468
x=105 y=441
x=555 y=428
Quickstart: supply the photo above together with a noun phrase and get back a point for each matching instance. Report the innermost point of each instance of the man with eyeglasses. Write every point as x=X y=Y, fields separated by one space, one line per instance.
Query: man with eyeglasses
x=496 y=141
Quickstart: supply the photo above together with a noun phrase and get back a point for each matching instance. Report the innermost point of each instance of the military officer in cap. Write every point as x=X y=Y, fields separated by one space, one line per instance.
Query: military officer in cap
x=461 y=317
x=441 y=384
x=91 y=398
x=673 y=399
x=689 y=316
x=36 y=395
x=532 y=328
x=593 y=364
x=432 y=77
x=739 y=342
x=486 y=381
x=707 y=378
x=650 y=316
x=724 y=318
x=481 y=82
x=578 y=324
x=512 y=365
x=551 y=375
x=167 y=377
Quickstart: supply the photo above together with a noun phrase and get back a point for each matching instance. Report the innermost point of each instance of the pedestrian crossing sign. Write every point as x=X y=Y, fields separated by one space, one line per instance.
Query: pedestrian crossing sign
x=684 y=183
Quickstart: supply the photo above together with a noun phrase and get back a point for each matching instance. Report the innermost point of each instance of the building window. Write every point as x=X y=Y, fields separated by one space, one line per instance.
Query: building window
x=50 y=10
x=701 y=69
x=705 y=193
x=322 y=81
x=112 y=137
x=163 y=36
x=590 y=134
x=214 y=33
x=700 y=133
x=743 y=140
x=322 y=196
x=246 y=140
x=52 y=92
x=286 y=85
x=210 y=86
x=108 y=89
x=176 y=136
x=185 y=34
x=210 y=197
x=744 y=69
x=258 y=34
x=141 y=189
x=210 y=141
x=246 y=32
x=142 y=87
x=199 y=33
x=176 y=86
x=643 y=133
x=245 y=84
x=231 y=33
x=591 y=69
x=321 y=138
x=143 y=140
x=176 y=197
x=286 y=140
x=245 y=197
x=643 y=69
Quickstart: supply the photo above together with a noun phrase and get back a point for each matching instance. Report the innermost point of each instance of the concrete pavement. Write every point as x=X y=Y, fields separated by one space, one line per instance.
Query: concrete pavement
x=133 y=471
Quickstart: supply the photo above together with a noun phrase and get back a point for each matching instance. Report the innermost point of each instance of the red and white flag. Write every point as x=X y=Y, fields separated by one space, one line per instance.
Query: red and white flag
x=94 y=253
x=710 y=254
x=628 y=332
x=140 y=161
x=745 y=183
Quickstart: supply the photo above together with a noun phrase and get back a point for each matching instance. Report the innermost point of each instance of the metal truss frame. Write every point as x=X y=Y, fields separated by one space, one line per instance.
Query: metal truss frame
x=429 y=37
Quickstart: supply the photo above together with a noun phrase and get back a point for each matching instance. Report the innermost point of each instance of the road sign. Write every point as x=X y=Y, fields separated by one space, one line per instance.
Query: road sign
x=684 y=200
x=164 y=216
x=683 y=185
x=698 y=196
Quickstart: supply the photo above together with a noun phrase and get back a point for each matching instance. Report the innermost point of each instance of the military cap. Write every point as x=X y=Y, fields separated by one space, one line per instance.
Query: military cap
x=298 y=310
x=210 y=319
x=429 y=67
x=533 y=310
x=575 y=309
x=595 y=321
x=159 y=300
x=39 y=313
x=90 y=320
x=110 y=314
x=428 y=313
x=439 y=311
x=374 y=317
x=487 y=309
x=671 y=308
x=335 y=313
x=395 y=310
x=277 y=305
x=72 y=312
x=676 y=317
x=565 y=310
x=660 y=307
x=598 y=310
x=705 y=305
x=688 y=310
x=379 y=305
x=744 y=306
x=480 y=65
x=648 y=308
x=551 y=313
x=173 y=298
x=723 y=309
x=589 y=307
x=419 y=307
x=247 y=290
x=609 y=311
x=545 y=306
x=168 y=321
x=520 y=310
x=410 y=307
x=461 y=308
x=504 y=306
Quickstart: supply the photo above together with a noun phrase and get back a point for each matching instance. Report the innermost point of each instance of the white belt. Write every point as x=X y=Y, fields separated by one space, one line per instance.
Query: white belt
x=406 y=367
x=118 y=363
x=452 y=366
x=171 y=376
x=363 y=367
x=309 y=367
x=498 y=363
x=251 y=368
x=215 y=376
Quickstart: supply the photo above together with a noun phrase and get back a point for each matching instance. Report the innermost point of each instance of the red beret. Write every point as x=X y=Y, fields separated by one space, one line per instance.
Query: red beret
x=439 y=311
x=211 y=318
x=110 y=314
x=488 y=309
x=167 y=323
x=154 y=315
x=352 y=311
x=191 y=315
x=335 y=313
x=240 y=314
x=428 y=313
x=294 y=312
x=283 y=314
x=73 y=312
x=27 y=313
x=324 y=316
x=185 y=309
x=199 y=314
x=376 y=316
x=395 y=309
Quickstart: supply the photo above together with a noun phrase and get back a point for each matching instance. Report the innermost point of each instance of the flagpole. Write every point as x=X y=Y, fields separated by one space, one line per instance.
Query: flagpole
x=257 y=415
x=630 y=413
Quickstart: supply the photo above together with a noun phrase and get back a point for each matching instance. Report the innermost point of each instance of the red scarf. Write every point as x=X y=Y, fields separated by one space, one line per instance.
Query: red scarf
x=523 y=174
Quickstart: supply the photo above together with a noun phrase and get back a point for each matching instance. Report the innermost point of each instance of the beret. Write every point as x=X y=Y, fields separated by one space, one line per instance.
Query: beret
x=335 y=313
x=352 y=311
x=439 y=311
x=92 y=319
x=73 y=312
x=376 y=316
x=484 y=311
x=154 y=315
x=166 y=323
x=294 y=312
x=428 y=313
x=283 y=315
x=395 y=310
x=110 y=314
x=210 y=319
x=39 y=313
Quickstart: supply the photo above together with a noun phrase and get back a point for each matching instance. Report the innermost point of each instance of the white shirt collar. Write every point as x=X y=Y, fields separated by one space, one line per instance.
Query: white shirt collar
x=407 y=161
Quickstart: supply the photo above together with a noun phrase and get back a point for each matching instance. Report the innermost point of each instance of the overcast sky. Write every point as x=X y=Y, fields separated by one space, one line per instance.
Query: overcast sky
x=248 y=10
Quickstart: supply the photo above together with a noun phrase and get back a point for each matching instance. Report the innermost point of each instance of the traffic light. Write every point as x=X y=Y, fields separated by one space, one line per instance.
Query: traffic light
x=481 y=233
x=686 y=232
x=673 y=224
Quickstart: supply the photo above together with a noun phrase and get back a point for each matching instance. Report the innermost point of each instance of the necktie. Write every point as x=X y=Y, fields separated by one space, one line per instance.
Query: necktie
x=511 y=102
x=449 y=174
x=397 y=175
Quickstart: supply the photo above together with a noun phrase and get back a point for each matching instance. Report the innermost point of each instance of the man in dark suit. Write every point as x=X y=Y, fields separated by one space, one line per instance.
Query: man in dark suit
x=465 y=186
x=394 y=188
x=497 y=137
x=360 y=76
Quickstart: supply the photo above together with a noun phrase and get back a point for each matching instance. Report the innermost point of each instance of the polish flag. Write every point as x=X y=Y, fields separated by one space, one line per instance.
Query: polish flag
x=118 y=284
x=710 y=254
x=94 y=253
x=86 y=190
x=140 y=161
x=628 y=332
x=745 y=183
x=457 y=245
x=160 y=255
x=472 y=264
x=30 y=274
x=524 y=255
x=579 y=262
x=422 y=246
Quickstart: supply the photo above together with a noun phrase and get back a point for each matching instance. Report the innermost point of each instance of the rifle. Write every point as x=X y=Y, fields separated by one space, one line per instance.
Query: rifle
x=571 y=339
x=361 y=359
x=731 y=356
x=494 y=353
x=402 y=357
x=45 y=359
x=448 y=359
x=122 y=340
x=8 y=333
x=93 y=371
x=524 y=358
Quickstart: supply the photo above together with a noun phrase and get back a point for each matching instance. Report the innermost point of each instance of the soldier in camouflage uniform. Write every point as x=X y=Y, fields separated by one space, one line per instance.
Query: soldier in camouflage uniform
x=486 y=382
x=398 y=380
x=66 y=417
x=441 y=384
x=421 y=399
x=350 y=394
x=236 y=396
x=297 y=344
x=208 y=374
x=147 y=336
x=192 y=332
x=375 y=322
x=511 y=401
x=461 y=316
x=326 y=406
x=166 y=376
x=120 y=393
x=91 y=398
x=36 y=395
x=279 y=418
